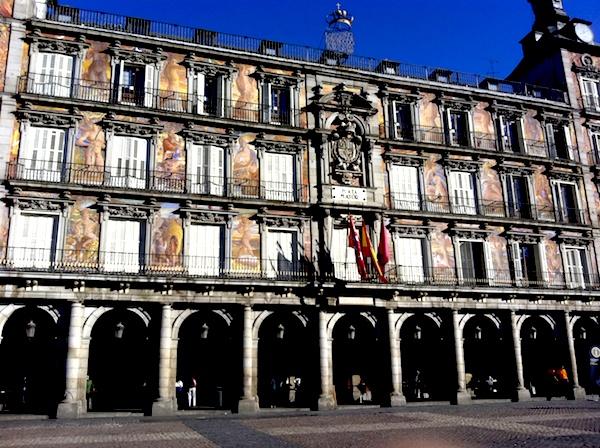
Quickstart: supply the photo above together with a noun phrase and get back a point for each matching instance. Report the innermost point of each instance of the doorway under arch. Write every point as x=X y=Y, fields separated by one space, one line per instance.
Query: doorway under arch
x=286 y=362
x=360 y=363
x=32 y=373
x=207 y=355
x=586 y=333
x=427 y=365
x=118 y=364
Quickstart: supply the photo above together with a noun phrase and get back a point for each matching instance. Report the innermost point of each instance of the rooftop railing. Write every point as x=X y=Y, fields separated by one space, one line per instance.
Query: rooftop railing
x=156 y=99
x=151 y=28
x=131 y=178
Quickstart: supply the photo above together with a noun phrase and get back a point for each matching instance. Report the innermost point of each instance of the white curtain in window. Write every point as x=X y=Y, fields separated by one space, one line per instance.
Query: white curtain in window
x=462 y=194
x=128 y=162
x=206 y=170
x=343 y=256
x=281 y=253
x=409 y=259
x=122 y=246
x=404 y=185
x=42 y=155
x=53 y=74
x=279 y=176
x=31 y=245
x=204 y=250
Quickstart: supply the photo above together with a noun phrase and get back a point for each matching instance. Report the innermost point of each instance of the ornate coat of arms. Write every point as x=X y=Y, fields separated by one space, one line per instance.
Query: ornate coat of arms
x=346 y=148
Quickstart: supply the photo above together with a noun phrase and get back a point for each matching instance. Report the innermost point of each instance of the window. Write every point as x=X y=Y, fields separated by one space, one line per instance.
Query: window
x=123 y=242
x=410 y=265
x=566 y=202
x=343 y=257
x=577 y=275
x=511 y=133
x=402 y=121
x=136 y=84
x=279 y=176
x=472 y=266
x=205 y=255
x=518 y=199
x=591 y=94
x=462 y=193
x=128 y=162
x=42 y=154
x=559 y=141
x=53 y=74
x=278 y=103
x=206 y=170
x=595 y=139
x=404 y=187
x=282 y=254
x=32 y=240
x=458 y=128
x=210 y=94
x=527 y=264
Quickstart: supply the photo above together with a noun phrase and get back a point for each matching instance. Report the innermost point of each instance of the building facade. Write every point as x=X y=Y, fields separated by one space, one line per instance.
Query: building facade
x=176 y=206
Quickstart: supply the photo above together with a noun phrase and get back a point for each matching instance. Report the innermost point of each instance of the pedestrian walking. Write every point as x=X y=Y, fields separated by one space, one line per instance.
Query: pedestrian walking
x=192 y=393
x=90 y=391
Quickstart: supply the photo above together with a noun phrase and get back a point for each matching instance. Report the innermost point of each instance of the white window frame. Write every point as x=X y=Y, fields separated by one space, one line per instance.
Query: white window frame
x=55 y=79
x=558 y=201
x=276 y=187
x=29 y=254
x=452 y=133
x=595 y=94
x=127 y=176
x=509 y=187
x=118 y=255
x=506 y=139
x=488 y=260
x=410 y=273
x=463 y=204
x=395 y=125
x=595 y=143
x=405 y=200
x=44 y=168
x=577 y=280
x=197 y=164
x=272 y=264
x=345 y=269
x=515 y=248
x=566 y=129
x=197 y=264
x=151 y=81
x=267 y=106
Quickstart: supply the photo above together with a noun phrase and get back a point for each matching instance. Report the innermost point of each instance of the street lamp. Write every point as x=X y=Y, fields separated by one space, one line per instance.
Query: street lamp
x=582 y=333
x=30 y=329
x=204 y=331
x=418 y=333
x=351 y=332
x=478 y=333
x=533 y=333
x=280 y=331
x=119 y=330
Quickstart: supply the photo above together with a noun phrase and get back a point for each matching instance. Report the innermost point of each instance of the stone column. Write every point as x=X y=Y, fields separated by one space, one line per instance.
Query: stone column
x=462 y=396
x=73 y=404
x=248 y=404
x=326 y=399
x=521 y=394
x=396 y=397
x=578 y=391
x=164 y=403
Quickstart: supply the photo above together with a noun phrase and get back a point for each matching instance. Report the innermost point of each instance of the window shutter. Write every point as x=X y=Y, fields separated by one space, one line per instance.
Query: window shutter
x=266 y=102
x=568 y=141
x=120 y=79
x=220 y=96
x=204 y=246
x=517 y=264
x=217 y=170
x=342 y=256
x=200 y=95
x=551 y=139
x=490 y=269
x=404 y=183
x=463 y=192
x=40 y=240
x=64 y=73
x=292 y=109
x=409 y=259
x=149 y=83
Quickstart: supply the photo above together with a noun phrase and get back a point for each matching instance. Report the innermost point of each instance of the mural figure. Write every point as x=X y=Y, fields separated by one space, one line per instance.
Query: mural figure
x=88 y=154
x=167 y=240
x=491 y=190
x=83 y=234
x=245 y=93
x=96 y=65
x=4 y=39
x=6 y=8
x=543 y=197
x=170 y=159
x=245 y=244
x=436 y=190
x=245 y=167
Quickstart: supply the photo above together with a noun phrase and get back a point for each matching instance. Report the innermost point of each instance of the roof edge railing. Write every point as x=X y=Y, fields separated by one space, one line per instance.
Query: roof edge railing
x=152 y=28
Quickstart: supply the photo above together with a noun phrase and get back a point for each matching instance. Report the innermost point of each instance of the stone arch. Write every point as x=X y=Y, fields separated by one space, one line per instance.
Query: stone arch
x=8 y=310
x=524 y=317
x=494 y=319
x=184 y=314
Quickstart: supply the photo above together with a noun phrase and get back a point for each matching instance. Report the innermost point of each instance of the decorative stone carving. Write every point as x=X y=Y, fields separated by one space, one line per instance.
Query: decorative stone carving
x=344 y=101
x=281 y=221
x=129 y=211
x=483 y=232
x=523 y=237
x=283 y=147
x=572 y=239
x=465 y=104
x=462 y=165
x=345 y=150
x=136 y=56
x=587 y=69
x=414 y=231
x=206 y=138
x=47 y=118
x=276 y=79
x=53 y=45
x=117 y=127
x=413 y=160
x=202 y=216
x=192 y=62
x=35 y=204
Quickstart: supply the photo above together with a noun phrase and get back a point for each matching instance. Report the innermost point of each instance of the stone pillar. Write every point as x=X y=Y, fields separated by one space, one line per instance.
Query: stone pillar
x=73 y=404
x=396 y=397
x=163 y=405
x=578 y=391
x=248 y=404
x=326 y=399
x=522 y=393
x=462 y=396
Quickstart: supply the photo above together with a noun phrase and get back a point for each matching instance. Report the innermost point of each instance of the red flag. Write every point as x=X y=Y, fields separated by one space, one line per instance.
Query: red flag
x=369 y=252
x=384 y=251
x=354 y=243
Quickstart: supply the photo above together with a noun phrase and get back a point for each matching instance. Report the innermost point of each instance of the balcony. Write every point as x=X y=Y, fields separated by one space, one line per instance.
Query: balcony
x=497 y=209
x=591 y=104
x=449 y=277
x=130 y=25
x=155 y=99
x=79 y=262
x=40 y=172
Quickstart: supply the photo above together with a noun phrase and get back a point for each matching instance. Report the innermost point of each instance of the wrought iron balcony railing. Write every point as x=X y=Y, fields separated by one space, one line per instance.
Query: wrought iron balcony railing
x=156 y=99
x=591 y=103
x=144 y=27
x=170 y=265
x=466 y=277
x=156 y=181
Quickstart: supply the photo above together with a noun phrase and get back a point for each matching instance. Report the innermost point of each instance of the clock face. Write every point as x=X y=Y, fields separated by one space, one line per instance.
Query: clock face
x=584 y=33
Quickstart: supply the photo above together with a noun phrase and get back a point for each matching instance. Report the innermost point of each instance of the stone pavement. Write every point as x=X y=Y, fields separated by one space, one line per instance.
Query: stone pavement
x=529 y=425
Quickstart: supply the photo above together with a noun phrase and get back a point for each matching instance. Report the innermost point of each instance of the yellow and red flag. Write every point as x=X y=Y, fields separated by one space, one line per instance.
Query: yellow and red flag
x=354 y=243
x=368 y=251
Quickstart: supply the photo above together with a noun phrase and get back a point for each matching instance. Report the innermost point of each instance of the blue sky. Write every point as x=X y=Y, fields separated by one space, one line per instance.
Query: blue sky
x=468 y=35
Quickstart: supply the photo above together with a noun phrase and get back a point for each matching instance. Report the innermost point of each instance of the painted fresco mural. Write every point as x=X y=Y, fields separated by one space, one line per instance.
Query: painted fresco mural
x=534 y=135
x=245 y=166
x=436 y=187
x=83 y=234
x=244 y=93
x=429 y=113
x=245 y=244
x=482 y=120
x=442 y=252
x=4 y=41
x=491 y=189
x=543 y=195
x=95 y=68
x=167 y=238
x=173 y=84
x=170 y=158
x=597 y=201
x=6 y=8
x=499 y=257
x=553 y=261
x=89 y=150
x=14 y=143
x=4 y=226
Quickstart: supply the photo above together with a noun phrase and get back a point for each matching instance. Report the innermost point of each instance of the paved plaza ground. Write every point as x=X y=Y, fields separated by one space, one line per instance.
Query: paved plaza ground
x=532 y=425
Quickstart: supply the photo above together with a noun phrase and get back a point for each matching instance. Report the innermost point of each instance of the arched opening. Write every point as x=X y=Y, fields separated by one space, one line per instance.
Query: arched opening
x=286 y=366
x=359 y=363
x=31 y=377
x=427 y=365
x=206 y=356
x=489 y=365
x=543 y=354
x=586 y=334
x=118 y=366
